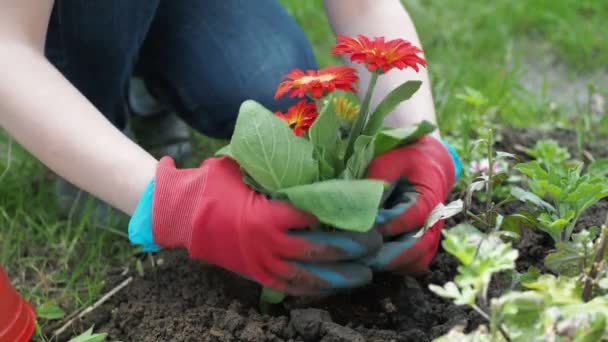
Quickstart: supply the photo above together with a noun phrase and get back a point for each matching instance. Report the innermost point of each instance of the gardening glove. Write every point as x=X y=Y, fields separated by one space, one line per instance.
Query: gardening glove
x=212 y=213
x=423 y=174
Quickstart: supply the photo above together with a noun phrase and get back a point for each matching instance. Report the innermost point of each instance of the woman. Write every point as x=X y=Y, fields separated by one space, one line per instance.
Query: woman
x=66 y=66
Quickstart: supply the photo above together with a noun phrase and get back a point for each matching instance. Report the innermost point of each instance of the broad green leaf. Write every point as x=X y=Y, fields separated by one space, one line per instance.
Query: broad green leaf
x=388 y=104
x=272 y=296
x=526 y=196
x=570 y=257
x=268 y=150
x=388 y=139
x=253 y=184
x=224 y=152
x=356 y=166
x=89 y=336
x=50 y=311
x=345 y=204
x=515 y=222
x=324 y=133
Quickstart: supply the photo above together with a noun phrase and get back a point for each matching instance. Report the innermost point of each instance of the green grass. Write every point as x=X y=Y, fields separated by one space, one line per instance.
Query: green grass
x=477 y=44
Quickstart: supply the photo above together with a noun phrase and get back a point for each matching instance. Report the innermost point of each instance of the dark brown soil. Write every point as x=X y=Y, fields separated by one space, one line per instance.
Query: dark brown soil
x=185 y=300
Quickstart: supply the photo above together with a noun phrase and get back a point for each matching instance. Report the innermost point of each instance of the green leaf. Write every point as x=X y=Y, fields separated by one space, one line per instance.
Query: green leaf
x=549 y=153
x=324 y=135
x=521 y=312
x=461 y=241
x=224 y=152
x=88 y=336
x=388 y=139
x=515 y=222
x=557 y=290
x=570 y=257
x=388 y=104
x=531 y=275
x=598 y=167
x=356 y=166
x=50 y=311
x=553 y=227
x=272 y=296
x=345 y=204
x=526 y=196
x=270 y=153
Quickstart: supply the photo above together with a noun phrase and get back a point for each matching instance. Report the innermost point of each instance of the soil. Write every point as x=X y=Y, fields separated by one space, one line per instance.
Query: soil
x=185 y=300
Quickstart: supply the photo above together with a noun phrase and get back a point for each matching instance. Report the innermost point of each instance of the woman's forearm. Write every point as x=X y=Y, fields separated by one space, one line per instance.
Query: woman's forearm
x=386 y=18
x=42 y=111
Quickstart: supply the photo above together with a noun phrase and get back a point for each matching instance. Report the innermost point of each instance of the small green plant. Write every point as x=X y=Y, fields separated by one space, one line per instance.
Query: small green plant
x=569 y=192
x=560 y=191
x=543 y=308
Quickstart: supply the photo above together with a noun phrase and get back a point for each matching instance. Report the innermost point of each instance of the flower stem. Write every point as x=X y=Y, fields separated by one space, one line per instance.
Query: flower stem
x=490 y=143
x=362 y=117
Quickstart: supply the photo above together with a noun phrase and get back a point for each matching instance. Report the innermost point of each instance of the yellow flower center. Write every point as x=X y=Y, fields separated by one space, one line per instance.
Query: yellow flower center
x=308 y=79
x=346 y=109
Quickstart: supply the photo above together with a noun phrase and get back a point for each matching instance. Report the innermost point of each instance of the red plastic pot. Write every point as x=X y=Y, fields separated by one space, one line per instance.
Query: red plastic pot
x=17 y=318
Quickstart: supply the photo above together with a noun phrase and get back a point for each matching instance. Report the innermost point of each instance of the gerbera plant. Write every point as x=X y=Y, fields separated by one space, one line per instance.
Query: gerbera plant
x=316 y=154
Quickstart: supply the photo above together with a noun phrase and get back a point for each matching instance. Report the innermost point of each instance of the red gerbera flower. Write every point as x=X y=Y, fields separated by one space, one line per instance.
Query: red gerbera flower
x=317 y=81
x=300 y=117
x=378 y=53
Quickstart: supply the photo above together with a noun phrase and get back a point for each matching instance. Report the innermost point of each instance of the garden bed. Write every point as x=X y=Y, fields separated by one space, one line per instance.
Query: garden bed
x=184 y=300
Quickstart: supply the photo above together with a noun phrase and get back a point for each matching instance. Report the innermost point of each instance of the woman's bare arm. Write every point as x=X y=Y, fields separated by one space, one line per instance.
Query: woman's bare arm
x=42 y=111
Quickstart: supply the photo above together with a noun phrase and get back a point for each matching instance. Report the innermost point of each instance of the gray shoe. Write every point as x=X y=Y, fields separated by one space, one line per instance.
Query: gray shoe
x=155 y=128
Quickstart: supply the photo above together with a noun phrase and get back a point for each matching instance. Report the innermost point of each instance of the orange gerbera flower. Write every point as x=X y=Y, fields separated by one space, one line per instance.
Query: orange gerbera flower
x=317 y=82
x=378 y=53
x=300 y=117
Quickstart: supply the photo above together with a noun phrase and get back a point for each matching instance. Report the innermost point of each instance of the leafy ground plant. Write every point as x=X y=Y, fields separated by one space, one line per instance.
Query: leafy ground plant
x=316 y=154
x=543 y=308
x=560 y=192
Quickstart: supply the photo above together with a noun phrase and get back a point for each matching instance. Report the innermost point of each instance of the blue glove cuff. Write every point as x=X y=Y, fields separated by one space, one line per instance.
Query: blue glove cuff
x=455 y=158
x=140 y=225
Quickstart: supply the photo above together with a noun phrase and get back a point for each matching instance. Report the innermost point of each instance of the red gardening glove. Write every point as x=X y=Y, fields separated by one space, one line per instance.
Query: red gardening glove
x=211 y=212
x=430 y=167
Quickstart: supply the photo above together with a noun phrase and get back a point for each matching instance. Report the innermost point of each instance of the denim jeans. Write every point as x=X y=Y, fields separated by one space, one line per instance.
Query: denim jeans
x=201 y=59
